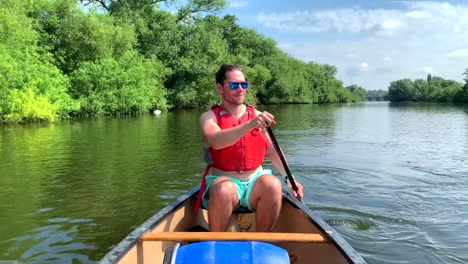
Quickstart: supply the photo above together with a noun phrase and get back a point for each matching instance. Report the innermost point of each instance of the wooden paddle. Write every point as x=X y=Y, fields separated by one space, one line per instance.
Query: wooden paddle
x=233 y=236
x=283 y=160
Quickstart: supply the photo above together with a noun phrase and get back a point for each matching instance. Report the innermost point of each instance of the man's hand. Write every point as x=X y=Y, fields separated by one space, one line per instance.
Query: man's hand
x=300 y=189
x=262 y=120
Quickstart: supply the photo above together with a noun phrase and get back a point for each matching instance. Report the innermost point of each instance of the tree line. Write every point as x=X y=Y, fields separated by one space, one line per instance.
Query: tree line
x=433 y=89
x=63 y=58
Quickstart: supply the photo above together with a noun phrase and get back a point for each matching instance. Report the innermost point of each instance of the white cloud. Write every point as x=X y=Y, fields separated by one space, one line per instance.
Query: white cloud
x=427 y=69
x=392 y=24
x=417 y=14
x=415 y=17
x=340 y=20
x=394 y=41
x=458 y=53
x=237 y=4
x=364 y=66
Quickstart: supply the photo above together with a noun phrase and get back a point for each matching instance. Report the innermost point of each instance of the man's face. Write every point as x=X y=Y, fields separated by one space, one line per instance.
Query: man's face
x=232 y=96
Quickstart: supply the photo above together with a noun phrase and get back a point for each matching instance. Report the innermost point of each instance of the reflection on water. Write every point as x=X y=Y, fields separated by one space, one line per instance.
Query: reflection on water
x=391 y=178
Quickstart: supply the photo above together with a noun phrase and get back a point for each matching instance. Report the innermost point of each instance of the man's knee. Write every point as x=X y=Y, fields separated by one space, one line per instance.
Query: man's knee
x=223 y=190
x=267 y=186
x=271 y=184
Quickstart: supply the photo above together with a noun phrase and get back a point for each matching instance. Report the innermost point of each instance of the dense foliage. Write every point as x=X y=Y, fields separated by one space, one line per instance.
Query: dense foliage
x=433 y=89
x=31 y=86
x=65 y=57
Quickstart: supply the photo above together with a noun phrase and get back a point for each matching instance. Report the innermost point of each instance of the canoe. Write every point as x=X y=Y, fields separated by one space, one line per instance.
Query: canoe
x=177 y=234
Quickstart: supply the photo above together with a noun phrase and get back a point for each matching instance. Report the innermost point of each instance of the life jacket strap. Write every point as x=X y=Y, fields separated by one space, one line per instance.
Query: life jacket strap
x=202 y=189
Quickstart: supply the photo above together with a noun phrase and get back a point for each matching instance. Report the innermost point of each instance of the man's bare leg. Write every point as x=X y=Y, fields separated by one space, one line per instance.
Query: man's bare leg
x=222 y=201
x=265 y=198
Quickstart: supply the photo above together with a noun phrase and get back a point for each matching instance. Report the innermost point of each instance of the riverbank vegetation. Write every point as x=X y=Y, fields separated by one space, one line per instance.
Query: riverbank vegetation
x=67 y=58
x=433 y=89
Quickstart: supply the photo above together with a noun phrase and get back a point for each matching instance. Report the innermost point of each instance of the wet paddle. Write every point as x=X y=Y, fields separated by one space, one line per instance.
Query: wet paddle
x=283 y=160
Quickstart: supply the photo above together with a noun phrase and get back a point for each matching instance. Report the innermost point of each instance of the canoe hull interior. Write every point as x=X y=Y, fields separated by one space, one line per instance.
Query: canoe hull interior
x=139 y=248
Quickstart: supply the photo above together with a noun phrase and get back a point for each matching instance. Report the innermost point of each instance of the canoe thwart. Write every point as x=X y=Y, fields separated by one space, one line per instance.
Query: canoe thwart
x=233 y=236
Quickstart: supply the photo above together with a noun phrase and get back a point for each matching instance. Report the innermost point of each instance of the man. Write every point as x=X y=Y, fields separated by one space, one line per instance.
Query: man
x=236 y=137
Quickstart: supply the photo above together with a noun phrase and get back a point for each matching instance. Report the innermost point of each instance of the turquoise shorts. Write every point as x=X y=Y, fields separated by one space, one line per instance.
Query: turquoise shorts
x=243 y=188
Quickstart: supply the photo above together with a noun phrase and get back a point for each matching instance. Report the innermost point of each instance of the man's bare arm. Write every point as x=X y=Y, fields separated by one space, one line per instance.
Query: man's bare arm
x=215 y=137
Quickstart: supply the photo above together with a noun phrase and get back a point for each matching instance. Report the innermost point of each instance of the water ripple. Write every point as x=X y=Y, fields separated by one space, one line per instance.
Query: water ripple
x=391 y=178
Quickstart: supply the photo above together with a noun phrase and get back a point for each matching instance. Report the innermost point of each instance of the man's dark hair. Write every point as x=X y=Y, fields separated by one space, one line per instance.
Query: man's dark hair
x=221 y=73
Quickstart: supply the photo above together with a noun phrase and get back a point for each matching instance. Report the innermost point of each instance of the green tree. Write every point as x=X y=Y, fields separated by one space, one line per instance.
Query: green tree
x=402 y=90
x=31 y=87
x=75 y=37
x=437 y=90
x=62 y=57
x=462 y=96
x=198 y=7
x=184 y=9
x=357 y=93
x=128 y=85
x=466 y=78
x=443 y=90
x=191 y=83
x=258 y=77
x=421 y=89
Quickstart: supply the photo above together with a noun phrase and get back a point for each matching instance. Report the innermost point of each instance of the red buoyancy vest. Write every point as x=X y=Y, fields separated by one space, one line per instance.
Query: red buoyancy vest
x=247 y=153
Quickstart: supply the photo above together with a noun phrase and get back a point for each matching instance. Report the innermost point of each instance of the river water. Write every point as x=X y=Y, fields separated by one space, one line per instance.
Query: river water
x=391 y=178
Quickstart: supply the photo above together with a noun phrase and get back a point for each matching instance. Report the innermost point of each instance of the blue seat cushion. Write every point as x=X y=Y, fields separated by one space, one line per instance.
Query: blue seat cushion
x=214 y=252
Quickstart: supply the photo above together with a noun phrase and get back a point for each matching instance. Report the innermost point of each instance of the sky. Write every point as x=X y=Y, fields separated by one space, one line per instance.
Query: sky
x=371 y=43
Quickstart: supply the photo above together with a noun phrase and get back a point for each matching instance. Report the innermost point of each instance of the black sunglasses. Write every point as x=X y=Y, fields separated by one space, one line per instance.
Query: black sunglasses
x=235 y=85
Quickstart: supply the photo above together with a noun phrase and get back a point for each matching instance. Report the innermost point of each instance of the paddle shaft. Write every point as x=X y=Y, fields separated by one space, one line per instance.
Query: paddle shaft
x=283 y=160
